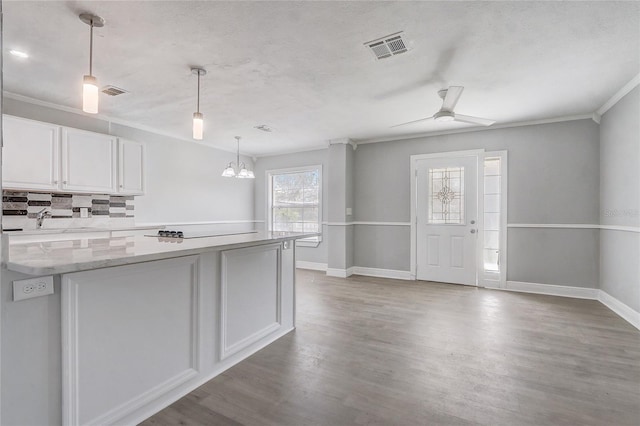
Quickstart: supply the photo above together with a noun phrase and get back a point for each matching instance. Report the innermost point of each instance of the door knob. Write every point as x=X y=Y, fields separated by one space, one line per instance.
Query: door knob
x=473 y=231
x=473 y=222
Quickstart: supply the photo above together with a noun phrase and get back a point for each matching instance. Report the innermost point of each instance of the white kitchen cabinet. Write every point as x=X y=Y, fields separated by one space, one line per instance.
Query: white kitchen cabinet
x=30 y=154
x=130 y=167
x=88 y=162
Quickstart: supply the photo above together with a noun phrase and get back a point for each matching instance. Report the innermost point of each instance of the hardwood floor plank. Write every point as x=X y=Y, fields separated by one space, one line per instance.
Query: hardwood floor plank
x=373 y=351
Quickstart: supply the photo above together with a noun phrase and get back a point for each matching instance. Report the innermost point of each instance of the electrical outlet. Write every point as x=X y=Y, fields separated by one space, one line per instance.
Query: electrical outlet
x=32 y=287
x=84 y=212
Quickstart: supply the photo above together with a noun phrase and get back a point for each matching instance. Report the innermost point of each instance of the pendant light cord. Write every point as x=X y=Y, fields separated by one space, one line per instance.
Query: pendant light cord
x=238 y=153
x=91 y=49
x=198 y=105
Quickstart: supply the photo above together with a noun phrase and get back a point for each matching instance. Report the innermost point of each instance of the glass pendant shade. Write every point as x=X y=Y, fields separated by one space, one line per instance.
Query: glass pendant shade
x=198 y=126
x=244 y=173
x=229 y=172
x=90 y=94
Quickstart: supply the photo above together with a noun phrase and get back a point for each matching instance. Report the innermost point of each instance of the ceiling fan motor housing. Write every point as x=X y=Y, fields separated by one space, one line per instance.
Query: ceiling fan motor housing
x=444 y=115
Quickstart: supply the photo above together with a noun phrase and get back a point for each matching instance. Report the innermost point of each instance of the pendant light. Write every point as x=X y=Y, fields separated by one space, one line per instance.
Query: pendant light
x=198 y=118
x=242 y=172
x=89 y=82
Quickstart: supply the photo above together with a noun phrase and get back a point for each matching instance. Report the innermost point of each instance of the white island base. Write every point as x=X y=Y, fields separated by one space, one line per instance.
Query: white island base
x=137 y=337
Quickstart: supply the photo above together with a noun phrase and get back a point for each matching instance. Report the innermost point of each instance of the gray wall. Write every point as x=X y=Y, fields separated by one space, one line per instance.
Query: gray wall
x=620 y=199
x=183 y=178
x=300 y=159
x=553 y=178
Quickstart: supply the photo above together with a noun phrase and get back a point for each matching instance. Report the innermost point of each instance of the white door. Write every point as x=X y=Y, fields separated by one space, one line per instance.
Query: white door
x=446 y=215
x=88 y=161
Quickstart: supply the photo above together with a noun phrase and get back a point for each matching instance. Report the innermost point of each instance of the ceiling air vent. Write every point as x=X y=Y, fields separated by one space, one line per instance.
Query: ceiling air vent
x=264 y=128
x=113 y=90
x=387 y=46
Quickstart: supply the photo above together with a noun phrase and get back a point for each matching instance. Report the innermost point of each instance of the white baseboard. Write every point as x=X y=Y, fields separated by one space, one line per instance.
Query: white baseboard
x=625 y=311
x=340 y=273
x=553 y=290
x=382 y=273
x=355 y=270
x=314 y=266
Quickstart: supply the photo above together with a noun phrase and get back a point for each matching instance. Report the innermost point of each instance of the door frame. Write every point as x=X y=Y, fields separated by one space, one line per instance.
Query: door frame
x=479 y=154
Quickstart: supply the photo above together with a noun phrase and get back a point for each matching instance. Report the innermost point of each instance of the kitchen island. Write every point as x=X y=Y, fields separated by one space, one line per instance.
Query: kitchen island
x=145 y=320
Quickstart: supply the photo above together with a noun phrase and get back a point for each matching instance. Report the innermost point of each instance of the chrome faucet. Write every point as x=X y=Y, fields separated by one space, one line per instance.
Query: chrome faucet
x=40 y=217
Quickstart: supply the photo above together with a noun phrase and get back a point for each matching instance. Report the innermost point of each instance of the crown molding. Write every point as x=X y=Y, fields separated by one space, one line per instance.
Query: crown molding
x=343 y=141
x=112 y=120
x=624 y=90
x=294 y=151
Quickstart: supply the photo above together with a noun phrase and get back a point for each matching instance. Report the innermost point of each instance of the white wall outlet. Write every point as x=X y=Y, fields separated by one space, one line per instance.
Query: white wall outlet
x=349 y=211
x=84 y=212
x=32 y=287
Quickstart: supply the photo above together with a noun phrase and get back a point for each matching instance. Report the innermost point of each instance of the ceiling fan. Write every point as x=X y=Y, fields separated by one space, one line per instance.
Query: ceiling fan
x=450 y=98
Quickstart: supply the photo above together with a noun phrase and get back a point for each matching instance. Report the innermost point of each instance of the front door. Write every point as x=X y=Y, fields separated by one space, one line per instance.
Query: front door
x=446 y=216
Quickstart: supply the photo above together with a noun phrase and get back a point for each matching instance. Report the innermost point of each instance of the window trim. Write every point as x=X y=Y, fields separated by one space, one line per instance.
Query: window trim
x=306 y=242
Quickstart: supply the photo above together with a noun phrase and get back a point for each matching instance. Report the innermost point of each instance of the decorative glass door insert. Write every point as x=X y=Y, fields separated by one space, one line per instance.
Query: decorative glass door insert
x=446 y=196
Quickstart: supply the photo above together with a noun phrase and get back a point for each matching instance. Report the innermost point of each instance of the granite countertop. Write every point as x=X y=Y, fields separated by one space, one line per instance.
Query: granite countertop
x=59 y=257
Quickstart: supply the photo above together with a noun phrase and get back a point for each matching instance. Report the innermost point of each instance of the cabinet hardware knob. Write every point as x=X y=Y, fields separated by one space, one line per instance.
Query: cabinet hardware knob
x=64 y=181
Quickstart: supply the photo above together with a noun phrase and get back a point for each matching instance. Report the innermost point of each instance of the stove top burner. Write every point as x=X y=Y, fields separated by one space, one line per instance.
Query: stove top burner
x=171 y=234
x=167 y=235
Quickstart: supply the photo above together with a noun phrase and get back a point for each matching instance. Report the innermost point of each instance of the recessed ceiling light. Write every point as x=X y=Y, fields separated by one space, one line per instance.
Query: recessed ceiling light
x=18 y=53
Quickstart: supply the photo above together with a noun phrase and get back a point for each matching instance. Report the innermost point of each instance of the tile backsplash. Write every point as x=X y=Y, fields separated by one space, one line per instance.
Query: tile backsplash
x=66 y=206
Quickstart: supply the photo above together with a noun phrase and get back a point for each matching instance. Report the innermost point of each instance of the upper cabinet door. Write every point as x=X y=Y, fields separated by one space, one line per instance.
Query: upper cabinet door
x=88 y=162
x=130 y=167
x=30 y=155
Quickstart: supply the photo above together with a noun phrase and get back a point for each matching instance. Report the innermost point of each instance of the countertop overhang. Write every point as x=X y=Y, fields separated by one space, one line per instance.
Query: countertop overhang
x=73 y=255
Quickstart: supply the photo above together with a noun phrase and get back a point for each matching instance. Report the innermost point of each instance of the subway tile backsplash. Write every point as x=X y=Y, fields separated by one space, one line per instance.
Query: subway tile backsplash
x=66 y=206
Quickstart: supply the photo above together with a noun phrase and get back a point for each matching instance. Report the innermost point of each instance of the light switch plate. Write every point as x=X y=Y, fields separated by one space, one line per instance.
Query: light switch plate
x=349 y=211
x=32 y=287
x=84 y=212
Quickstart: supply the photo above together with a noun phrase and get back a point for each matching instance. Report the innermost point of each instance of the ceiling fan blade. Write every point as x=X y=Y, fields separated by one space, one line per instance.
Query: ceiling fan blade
x=411 y=122
x=473 y=120
x=451 y=99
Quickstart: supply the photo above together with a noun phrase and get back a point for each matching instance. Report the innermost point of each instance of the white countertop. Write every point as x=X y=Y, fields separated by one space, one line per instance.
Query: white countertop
x=59 y=257
x=87 y=229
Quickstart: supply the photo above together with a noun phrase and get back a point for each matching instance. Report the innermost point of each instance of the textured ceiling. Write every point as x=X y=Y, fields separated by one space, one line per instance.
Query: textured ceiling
x=302 y=68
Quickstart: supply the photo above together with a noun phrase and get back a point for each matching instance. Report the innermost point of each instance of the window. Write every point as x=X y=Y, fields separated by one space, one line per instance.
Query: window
x=446 y=196
x=295 y=201
x=492 y=192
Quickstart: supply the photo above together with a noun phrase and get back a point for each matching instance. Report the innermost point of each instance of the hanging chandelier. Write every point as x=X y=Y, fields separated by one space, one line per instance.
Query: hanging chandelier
x=238 y=169
x=89 y=82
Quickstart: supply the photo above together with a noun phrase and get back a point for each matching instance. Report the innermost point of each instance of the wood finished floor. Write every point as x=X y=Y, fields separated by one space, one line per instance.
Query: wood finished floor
x=370 y=351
